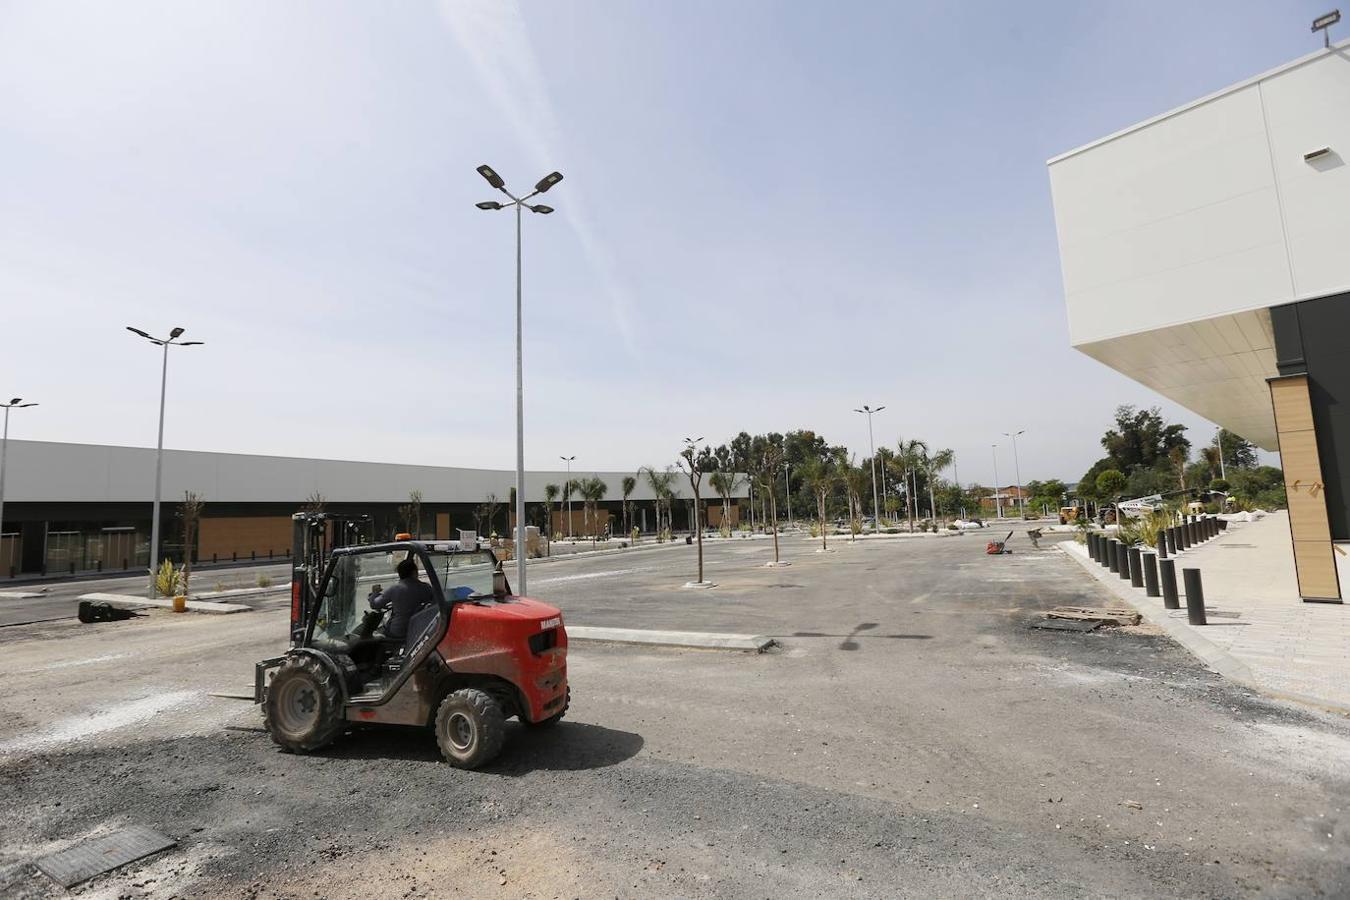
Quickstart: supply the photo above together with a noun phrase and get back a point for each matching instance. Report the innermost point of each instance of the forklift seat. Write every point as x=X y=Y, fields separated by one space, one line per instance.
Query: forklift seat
x=418 y=625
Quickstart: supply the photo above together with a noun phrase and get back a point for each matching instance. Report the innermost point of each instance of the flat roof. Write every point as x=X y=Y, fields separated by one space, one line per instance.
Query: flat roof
x=1337 y=48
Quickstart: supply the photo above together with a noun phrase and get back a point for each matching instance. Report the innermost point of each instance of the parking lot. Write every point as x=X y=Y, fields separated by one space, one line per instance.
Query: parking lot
x=910 y=736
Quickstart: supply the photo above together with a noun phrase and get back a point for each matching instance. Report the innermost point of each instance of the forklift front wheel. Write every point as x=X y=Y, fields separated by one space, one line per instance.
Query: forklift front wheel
x=470 y=728
x=303 y=710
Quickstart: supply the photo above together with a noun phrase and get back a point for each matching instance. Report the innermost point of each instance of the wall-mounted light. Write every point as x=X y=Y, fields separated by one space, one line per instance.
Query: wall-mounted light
x=1316 y=154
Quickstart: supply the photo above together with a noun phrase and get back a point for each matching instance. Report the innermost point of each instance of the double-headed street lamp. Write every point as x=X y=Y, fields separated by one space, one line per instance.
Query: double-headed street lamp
x=166 y=343
x=16 y=403
x=998 y=495
x=519 y=203
x=567 y=490
x=1017 y=468
x=876 y=508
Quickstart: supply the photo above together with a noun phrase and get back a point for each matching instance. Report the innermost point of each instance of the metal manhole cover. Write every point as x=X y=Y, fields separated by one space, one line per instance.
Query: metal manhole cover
x=1079 y=625
x=84 y=861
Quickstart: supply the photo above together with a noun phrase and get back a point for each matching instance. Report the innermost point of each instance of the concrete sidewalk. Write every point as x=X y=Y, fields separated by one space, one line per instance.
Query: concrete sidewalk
x=1260 y=632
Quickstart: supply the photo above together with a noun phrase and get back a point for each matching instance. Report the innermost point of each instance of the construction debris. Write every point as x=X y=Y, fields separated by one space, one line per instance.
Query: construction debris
x=1105 y=616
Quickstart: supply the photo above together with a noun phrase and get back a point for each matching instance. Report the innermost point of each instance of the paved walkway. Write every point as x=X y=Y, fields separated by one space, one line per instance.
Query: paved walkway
x=1259 y=633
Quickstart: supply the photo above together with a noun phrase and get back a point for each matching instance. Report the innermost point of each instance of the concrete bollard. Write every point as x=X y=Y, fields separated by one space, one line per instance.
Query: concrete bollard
x=1161 y=548
x=1136 y=568
x=1124 y=553
x=1167 y=570
x=1112 y=557
x=1151 y=575
x=1195 y=596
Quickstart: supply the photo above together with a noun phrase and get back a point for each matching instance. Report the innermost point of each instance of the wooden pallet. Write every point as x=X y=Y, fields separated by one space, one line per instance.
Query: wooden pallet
x=1111 y=616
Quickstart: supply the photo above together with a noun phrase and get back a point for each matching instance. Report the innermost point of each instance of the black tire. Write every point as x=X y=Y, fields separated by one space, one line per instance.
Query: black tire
x=470 y=728
x=303 y=709
x=553 y=719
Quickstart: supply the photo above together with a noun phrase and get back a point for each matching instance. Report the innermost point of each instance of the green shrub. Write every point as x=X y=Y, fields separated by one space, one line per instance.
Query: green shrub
x=168 y=579
x=264 y=580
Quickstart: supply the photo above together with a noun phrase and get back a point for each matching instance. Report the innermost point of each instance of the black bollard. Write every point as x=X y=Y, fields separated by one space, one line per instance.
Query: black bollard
x=1167 y=570
x=1136 y=568
x=1170 y=533
x=1183 y=537
x=1162 y=544
x=1223 y=524
x=1092 y=546
x=1112 y=557
x=1151 y=575
x=1124 y=553
x=1213 y=526
x=1195 y=597
x=1104 y=556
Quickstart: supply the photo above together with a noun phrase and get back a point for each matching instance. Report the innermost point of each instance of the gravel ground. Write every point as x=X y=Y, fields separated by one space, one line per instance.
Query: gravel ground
x=912 y=737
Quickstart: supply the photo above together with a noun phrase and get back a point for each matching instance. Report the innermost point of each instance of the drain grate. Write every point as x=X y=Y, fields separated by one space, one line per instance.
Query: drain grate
x=84 y=861
x=1065 y=624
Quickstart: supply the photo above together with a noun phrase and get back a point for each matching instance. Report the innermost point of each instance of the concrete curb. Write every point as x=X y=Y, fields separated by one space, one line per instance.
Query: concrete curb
x=696 y=639
x=128 y=601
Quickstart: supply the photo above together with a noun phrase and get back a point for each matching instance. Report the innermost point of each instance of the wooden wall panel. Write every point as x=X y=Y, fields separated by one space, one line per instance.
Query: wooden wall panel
x=443 y=527
x=242 y=535
x=1309 y=525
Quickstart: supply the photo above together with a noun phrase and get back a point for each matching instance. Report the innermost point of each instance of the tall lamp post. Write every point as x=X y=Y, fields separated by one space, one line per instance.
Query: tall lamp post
x=1017 y=468
x=876 y=507
x=998 y=492
x=1218 y=439
x=166 y=343
x=16 y=403
x=567 y=491
x=519 y=203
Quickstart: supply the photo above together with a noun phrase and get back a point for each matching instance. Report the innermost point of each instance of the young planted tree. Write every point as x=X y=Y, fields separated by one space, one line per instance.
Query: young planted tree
x=818 y=475
x=660 y=483
x=314 y=504
x=415 y=513
x=771 y=460
x=629 y=484
x=724 y=483
x=490 y=506
x=190 y=511
x=696 y=463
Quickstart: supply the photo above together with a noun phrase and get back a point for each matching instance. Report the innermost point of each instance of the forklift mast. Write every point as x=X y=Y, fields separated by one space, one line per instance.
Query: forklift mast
x=314 y=536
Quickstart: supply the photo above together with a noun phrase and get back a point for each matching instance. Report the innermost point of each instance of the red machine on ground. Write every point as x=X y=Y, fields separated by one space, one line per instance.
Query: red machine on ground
x=996 y=548
x=471 y=659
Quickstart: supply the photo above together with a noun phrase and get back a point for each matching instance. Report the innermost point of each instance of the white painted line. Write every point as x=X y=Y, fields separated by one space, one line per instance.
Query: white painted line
x=582 y=576
x=697 y=639
x=93 y=660
x=78 y=728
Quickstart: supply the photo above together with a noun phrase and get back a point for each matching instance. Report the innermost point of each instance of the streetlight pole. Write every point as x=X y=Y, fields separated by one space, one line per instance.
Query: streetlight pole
x=998 y=495
x=787 y=485
x=567 y=491
x=16 y=403
x=1017 y=467
x=171 y=340
x=876 y=506
x=519 y=203
x=1218 y=439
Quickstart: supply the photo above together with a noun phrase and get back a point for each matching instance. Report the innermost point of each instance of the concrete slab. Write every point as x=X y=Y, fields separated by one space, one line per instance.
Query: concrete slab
x=697 y=639
x=129 y=601
x=20 y=595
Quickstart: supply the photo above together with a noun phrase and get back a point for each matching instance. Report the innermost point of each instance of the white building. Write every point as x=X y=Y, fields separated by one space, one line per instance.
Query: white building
x=1206 y=254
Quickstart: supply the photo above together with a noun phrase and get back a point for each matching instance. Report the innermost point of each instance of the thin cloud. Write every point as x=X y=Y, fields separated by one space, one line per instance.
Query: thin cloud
x=493 y=36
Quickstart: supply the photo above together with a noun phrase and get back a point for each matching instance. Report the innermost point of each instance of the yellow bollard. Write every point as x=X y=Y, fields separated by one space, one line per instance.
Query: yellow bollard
x=180 y=603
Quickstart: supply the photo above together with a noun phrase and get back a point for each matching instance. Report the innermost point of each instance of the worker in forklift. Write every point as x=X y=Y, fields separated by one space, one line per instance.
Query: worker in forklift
x=403 y=600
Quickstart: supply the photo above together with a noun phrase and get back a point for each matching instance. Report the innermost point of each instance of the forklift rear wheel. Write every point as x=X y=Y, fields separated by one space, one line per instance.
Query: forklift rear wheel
x=470 y=728
x=303 y=710
x=553 y=719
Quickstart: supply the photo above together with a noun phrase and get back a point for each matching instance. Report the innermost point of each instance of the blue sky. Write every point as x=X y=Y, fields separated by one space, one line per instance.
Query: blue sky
x=772 y=213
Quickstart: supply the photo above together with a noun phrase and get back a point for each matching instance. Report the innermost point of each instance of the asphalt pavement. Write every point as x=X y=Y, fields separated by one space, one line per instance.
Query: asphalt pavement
x=910 y=737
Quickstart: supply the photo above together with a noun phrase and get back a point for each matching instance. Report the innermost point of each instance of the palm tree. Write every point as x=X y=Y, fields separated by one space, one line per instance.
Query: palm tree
x=629 y=484
x=1210 y=456
x=592 y=491
x=911 y=456
x=568 y=489
x=855 y=480
x=551 y=492
x=660 y=483
x=939 y=460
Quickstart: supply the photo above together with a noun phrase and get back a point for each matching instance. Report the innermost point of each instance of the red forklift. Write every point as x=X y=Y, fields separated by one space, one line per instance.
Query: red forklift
x=471 y=659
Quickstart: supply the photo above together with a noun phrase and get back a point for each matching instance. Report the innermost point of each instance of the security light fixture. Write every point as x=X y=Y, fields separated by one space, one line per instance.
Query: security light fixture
x=1316 y=154
x=541 y=209
x=488 y=204
x=492 y=177
x=547 y=182
x=1323 y=24
x=175 y=333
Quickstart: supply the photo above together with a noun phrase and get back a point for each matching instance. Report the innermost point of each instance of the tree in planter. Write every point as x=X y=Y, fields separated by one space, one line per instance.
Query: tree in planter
x=551 y=492
x=190 y=511
x=819 y=477
x=696 y=463
x=628 y=485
